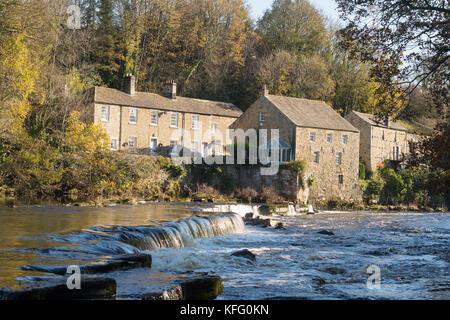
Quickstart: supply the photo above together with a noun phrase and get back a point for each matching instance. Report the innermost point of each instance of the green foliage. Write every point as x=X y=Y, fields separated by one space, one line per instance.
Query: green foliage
x=311 y=182
x=422 y=187
x=362 y=171
x=298 y=166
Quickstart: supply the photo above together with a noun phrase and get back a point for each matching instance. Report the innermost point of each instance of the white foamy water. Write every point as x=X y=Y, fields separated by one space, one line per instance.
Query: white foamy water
x=411 y=251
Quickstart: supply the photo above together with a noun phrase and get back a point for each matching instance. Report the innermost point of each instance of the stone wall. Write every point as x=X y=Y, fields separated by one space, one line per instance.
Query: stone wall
x=286 y=182
x=119 y=128
x=326 y=173
x=274 y=119
x=377 y=143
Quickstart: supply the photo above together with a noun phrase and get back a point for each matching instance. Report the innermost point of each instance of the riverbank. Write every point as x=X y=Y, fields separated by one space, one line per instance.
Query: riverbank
x=280 y=209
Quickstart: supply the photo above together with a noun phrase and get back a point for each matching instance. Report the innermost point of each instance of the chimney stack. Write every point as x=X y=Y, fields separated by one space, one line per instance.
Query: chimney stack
x=387 y=122
x=265 y=92
x=129 y=84
x=170 y=89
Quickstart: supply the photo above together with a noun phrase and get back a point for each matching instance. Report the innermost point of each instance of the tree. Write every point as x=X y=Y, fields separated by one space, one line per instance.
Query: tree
x=407 y=47
x=294 y=26
x=406 y=43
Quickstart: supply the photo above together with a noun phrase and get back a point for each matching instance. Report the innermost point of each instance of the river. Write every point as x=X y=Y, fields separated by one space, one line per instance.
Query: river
x=410 y=251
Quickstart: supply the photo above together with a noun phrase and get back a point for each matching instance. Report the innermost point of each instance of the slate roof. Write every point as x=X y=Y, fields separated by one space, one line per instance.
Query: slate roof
x=371 y=119
x=155 y=101
x=311 y=113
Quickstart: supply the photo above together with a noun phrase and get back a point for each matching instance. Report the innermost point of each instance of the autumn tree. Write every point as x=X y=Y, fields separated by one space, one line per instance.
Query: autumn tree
x=406 y=43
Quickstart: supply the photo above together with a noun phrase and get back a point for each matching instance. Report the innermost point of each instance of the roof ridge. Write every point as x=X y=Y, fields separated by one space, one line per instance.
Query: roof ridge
x=156 y=94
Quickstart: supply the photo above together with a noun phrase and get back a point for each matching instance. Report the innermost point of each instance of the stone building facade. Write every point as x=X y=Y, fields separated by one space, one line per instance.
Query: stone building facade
x=311 y=131
x=147 y=123
x=380 y=141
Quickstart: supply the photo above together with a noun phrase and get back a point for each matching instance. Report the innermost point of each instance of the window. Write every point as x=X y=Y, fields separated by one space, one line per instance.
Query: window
x=105 y=113
x=285 y=155
x=395 y=137
x=339 y=158
x=133 y=115
x=113 y=144
x=312 y=137
x=195 y=122
x=382 y=136
x=132 y=145
x=396 y=153
x=174 y=120
x=261 y=118
x=341 y=179
x=154 y=118
x=345 y=139
x=330 y=138
x=214 y=128
x=316 y=157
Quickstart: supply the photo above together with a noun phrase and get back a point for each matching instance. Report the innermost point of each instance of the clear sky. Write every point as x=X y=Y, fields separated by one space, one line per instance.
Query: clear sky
x=328 y=7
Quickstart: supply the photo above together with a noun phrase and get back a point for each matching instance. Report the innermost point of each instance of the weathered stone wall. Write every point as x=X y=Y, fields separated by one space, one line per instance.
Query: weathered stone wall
x=274 y=119
x=365 y=135
x=383 y=149
x=118 y=127
x=286 y=182
x=326 y=173
x=377 y=143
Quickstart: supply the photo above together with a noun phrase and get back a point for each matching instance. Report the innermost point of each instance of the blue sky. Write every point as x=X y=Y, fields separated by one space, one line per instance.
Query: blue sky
x=328 y=7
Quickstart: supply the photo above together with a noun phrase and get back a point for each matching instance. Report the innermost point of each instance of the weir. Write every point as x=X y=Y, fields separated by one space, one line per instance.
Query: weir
x=173 y=234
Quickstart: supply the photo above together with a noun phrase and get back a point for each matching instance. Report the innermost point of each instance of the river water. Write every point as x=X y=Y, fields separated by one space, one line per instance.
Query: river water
x=410 y=251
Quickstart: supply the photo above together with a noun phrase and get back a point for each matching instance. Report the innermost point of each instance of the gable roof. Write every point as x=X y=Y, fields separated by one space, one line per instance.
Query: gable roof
x=155 y=101
x=371 y=119
x=310 y=113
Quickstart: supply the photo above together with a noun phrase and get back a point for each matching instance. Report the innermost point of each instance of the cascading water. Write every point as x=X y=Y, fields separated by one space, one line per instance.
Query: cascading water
x=172 y=234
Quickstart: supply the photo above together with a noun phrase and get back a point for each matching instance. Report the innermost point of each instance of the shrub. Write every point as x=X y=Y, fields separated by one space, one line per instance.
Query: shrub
x=362 y=171
x=270 y=195
x=247 y=195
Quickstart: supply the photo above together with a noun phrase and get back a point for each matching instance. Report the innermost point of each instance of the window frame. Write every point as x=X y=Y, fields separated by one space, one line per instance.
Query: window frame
x=114 y=145
x=195 y=122
x=135 y=118
x=329 y=138
x=261 y=117
x=108 y=113
x=154 y=113
x=339 y=158
x=345 y=139
x=316 y=157
x=172 y=114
